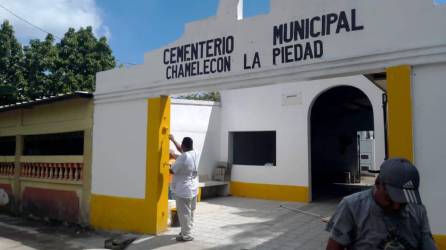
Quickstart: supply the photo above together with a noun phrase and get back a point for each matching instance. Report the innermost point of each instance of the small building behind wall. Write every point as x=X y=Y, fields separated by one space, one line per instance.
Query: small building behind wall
x=285 y=112
x=45 y=157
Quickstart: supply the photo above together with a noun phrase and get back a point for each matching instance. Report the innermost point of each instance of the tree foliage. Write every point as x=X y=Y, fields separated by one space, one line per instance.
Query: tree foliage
x=204 y=96
x=40 y=63
x=12 y=80
x=45 y=68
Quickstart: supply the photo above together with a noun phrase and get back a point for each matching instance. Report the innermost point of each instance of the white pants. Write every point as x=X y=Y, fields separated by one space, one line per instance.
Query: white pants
x=185 y=210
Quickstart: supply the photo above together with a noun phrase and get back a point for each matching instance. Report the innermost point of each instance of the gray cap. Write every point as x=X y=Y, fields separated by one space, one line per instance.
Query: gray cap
x=401 y=179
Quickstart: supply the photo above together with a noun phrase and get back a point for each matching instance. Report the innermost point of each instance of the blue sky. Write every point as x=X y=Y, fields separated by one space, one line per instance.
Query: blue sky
x=141 y=26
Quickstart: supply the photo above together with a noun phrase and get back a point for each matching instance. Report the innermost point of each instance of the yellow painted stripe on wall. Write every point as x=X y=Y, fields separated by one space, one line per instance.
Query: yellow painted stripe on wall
x=118 y=213
x=157 y=173
x=270 y=191
x=400 y=140
x=440 y=240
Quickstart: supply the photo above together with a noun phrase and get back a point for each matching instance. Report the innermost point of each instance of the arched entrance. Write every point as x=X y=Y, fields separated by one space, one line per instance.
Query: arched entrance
x=336 y=116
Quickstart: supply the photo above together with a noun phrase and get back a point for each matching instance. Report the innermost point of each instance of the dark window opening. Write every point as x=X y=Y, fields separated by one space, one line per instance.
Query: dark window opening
x=7 y=145
x=254 y=148
x=54 y=144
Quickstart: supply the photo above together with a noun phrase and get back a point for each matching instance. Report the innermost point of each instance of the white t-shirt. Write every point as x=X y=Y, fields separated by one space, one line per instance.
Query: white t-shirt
x=185 y=175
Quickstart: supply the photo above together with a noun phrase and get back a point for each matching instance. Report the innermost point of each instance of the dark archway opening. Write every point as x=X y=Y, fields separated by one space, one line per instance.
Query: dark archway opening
x=336 y=116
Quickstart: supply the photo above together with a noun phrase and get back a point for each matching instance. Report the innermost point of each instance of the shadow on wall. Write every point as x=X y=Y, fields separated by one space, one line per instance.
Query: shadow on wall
x=210 y=153
x=199 y=120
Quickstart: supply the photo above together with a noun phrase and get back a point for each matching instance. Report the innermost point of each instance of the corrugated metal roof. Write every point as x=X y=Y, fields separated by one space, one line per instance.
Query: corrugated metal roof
x=46 y=100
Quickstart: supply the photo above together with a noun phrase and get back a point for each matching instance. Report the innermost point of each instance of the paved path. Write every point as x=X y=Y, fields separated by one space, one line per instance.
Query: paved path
x=221 y=223
x=20 y=234
x=237 y=223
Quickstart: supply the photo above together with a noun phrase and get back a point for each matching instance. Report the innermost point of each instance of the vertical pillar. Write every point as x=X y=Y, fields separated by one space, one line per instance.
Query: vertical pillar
x=16 y=180
x=86 y=175
x=157 y=158
x=399 y=124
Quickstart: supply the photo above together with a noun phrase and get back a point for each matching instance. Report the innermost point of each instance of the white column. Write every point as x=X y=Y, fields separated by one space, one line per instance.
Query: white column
x=429 y=120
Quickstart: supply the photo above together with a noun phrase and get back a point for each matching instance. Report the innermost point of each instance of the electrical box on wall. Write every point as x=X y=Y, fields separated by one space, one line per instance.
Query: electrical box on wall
x=366 y=151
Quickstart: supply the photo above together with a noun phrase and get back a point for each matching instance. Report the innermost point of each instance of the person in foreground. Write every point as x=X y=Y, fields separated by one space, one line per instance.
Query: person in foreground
x=389 y=216
x=185 y=186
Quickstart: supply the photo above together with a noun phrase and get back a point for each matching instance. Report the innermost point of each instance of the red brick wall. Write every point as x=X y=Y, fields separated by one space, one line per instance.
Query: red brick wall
x=54 y=204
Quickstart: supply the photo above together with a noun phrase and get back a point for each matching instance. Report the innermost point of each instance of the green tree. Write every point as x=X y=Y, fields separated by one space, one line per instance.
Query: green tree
x=203 y=96
x=12 y=80
x=80 y=57
x=40 y=65
x=43 y=68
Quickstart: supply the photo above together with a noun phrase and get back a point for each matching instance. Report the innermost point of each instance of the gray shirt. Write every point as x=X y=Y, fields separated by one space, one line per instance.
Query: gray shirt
x=360 y=223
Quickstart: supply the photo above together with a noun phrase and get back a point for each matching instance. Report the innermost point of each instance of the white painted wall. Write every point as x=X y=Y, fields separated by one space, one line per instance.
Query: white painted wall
x=120 y=134
x=119 y=142
x=257 y=109
x=428 y=91
x=119 y=148
x=199 y=120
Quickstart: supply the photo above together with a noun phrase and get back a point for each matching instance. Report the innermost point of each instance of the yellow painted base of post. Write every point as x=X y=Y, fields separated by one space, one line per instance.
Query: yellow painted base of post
x=118 y=213
x=199 y=195
x=440 y=240
x=270 y=191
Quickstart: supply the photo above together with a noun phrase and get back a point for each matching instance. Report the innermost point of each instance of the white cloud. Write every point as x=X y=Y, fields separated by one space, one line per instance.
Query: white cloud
x=54 y=16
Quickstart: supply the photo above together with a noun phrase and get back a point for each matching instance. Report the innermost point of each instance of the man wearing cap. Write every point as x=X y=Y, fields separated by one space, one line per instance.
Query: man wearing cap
x=389 y=216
